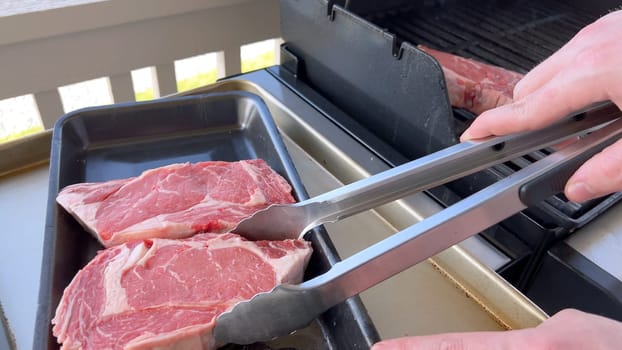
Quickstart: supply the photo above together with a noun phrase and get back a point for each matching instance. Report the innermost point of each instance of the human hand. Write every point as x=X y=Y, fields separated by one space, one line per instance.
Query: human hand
x=587 y=69
x=567 y=330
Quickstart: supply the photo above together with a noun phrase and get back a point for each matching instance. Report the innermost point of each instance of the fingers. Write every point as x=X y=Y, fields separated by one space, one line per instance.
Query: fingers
x=566 y=330
x=557 y=99
x=599 y=176
x=584 y=71
x=543 y=72
x=562 y=58
x=512 y=340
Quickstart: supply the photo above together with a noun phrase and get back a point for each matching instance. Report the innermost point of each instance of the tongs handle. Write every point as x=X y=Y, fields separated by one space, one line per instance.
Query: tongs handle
x=553 y=182
x=447 y=165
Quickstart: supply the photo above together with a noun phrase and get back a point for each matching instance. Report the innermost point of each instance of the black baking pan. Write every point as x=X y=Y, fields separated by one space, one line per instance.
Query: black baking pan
x=123 y=140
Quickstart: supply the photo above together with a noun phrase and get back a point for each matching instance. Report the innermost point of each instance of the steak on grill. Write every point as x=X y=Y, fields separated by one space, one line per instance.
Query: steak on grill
x=474 y=85
x=165 y=293
x=175 y=201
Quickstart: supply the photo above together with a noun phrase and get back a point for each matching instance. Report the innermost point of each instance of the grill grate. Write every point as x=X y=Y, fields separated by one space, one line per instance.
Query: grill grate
x=516 y=36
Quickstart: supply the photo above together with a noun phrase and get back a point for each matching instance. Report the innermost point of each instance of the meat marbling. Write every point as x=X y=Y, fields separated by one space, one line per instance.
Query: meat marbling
x=474 y=85
x=167 y=293
x=175 y=201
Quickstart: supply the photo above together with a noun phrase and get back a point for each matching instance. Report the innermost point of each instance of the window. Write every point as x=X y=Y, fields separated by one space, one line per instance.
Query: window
x=88 y=93
x=196 y=71
x=19 y=116
x=259 y=55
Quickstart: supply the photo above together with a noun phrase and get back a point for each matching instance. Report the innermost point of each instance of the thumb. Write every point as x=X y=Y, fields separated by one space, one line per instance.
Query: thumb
x=599 y=176
x=507 y=340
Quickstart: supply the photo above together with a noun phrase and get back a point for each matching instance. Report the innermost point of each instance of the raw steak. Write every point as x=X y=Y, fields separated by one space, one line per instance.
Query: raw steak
x=165 y=294
x=474 y=85
x=175 y=201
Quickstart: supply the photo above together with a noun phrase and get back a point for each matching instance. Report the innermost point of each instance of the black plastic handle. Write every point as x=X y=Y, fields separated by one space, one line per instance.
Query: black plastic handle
x=554 y=181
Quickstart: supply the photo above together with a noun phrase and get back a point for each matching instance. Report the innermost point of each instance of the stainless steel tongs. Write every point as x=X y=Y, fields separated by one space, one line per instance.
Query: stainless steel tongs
x=290 y=307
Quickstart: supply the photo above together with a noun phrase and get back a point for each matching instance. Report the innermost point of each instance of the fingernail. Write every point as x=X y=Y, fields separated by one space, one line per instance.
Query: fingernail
x=466 y=136
x=579 y=192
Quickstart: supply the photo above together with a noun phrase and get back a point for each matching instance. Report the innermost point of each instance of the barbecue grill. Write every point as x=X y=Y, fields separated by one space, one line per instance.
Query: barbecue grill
x=361 y=58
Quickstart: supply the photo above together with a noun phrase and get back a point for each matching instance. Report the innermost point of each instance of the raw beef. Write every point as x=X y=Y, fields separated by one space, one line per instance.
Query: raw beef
x=175 y=201
x=165 y=294
x=473 y=85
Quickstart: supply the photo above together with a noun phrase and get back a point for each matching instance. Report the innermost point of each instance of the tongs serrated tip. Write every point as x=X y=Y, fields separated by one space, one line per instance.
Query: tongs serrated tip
x=263 y=317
